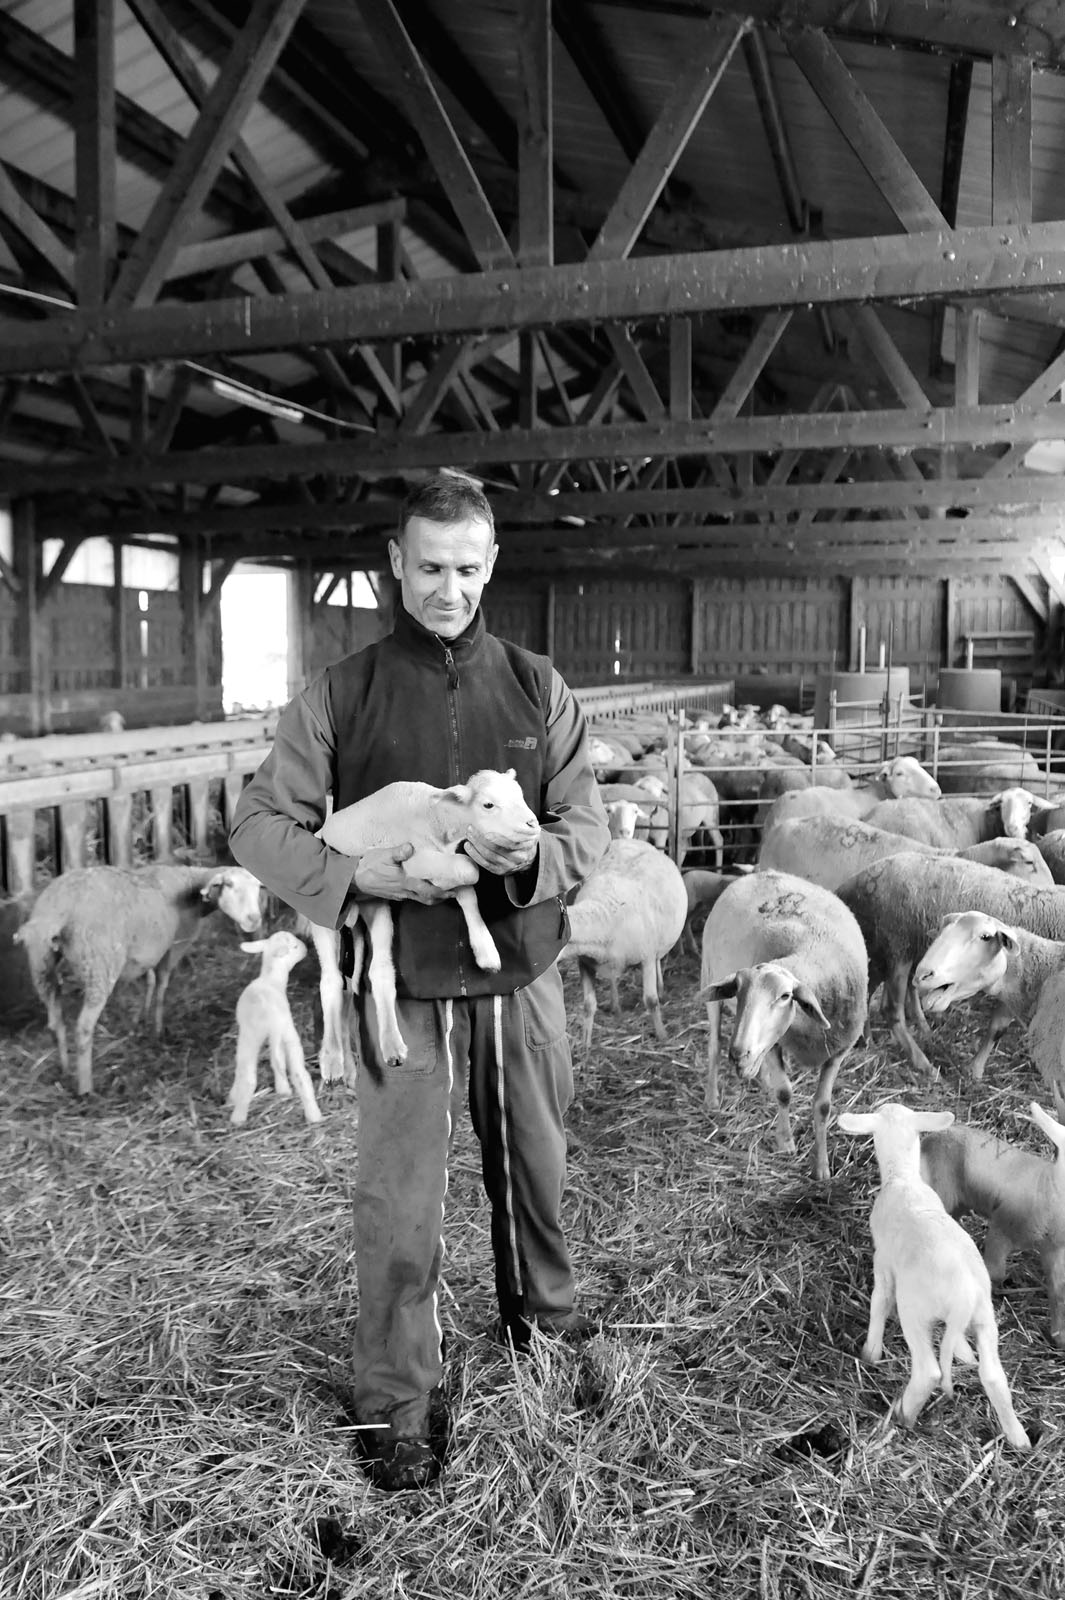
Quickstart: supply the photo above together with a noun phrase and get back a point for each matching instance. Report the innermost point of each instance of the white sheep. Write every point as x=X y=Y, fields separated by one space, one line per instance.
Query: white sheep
x=927 y=1268
x=957 y=820
x=628 y=912
x=99 y=924
x=265 y=1018
x=622 y=818
x=699 y=809
x=792 y=956
x=702 y=889
x=828 y=850
x=899 y=778
x=653 y=821
x=1021 y=1196
x=436 y=822
x=900 y=903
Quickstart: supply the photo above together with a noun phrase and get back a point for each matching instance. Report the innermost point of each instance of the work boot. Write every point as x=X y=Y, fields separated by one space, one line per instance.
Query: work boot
x=574 y=1328
x=407 y=1453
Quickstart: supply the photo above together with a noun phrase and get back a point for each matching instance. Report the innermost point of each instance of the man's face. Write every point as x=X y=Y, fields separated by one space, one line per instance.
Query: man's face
x=442 y=568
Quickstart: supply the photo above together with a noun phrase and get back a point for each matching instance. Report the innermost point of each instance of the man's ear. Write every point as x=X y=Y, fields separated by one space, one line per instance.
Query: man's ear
x=395 y=555
x=490 y=560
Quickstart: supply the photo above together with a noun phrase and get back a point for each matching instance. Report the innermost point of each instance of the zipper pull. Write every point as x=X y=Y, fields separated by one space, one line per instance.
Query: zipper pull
x=452 y=670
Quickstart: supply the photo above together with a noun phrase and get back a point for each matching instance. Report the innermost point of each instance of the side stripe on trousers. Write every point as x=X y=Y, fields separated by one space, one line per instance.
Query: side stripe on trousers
x=504 y=1138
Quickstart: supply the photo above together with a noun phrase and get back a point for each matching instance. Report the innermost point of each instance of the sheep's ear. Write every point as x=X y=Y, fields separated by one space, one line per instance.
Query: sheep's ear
x=857 y=1121
x=1049 y=1125
x=1007 y=937
x=461 y=793
x=254 y=947
x=885 y=770
x=511 y=772
x=950 y=918
x=724 y=989
x=213 y=888
x=805 y=997
x=932 y=1121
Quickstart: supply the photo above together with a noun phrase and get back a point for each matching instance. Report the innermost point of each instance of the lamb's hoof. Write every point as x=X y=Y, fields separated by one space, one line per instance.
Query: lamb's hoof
x=330 y=1066
x=394 y=1051
x=238 y=1119
x=488 y=960
x=312 y=1116
x=283 y=1091
x=871 y=1356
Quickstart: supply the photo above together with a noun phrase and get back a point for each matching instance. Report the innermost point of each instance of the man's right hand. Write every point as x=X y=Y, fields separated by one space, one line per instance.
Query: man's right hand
x=380 y=876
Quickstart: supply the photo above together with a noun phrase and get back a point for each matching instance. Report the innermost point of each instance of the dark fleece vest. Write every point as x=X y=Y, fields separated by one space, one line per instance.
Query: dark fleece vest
x=416 y=707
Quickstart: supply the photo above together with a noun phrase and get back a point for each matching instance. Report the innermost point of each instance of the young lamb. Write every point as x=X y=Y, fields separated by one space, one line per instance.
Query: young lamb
x=792 y=955
x=829 y=850
x=926 y=1266
x=99 y=924
x=957 y=820
x=1021 y=1196
x=264 y=1018
x=435 y=821
x=629 y=912
x=900 y=903
x=901 y=778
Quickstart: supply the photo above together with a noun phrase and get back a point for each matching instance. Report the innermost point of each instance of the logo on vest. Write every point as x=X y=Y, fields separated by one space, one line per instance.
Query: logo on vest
x=521 y=744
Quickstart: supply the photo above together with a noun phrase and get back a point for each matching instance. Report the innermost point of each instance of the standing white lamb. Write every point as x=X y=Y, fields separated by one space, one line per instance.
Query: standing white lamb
x=629 y=912
x=265 y=1018
x=1021 y=1196
x=436 y=822
x=792 y=956
x=96 y=925
x=926 y=1266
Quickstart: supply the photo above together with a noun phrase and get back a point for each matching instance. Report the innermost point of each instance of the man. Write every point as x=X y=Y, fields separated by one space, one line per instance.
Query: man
x=435 y=701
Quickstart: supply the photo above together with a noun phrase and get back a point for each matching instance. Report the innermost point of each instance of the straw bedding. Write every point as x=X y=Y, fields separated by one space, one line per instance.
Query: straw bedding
x=178 y=1304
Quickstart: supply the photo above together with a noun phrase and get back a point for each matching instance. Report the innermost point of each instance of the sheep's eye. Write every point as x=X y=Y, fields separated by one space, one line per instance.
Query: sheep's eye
x=489 y=805
x=988 y=938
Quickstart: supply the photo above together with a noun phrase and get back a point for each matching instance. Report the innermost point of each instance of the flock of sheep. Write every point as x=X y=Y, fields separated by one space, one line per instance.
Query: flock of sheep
x=887 y=882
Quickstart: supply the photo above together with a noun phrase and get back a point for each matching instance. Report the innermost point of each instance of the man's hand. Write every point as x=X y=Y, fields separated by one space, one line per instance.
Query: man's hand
x=499 y=858
x=380 y=876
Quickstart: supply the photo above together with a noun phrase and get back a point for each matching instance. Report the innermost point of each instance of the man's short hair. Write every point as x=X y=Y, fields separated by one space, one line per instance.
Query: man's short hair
x=447 y=497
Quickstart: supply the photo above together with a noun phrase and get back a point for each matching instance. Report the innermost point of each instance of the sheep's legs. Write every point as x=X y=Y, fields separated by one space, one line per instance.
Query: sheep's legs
x=997 y=1023
x=84 y=1029
x=249 y=1043
x=998 y=1247
x=297 y=1074
x=822 y=1110
x=590 y=1006
x=777 y=1086
x=650 y=971
x=994 y=1379
x=713 y=1054
x=924 y=1375
x=881 y=1302
x=481 y=942
x=895 y=986
x=1053 y=1263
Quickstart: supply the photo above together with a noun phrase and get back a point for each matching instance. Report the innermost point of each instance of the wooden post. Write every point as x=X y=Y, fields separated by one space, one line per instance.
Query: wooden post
x=695 y=659
x=193 y=651
x=118 y=617
x=549 y=622
x=26 y=564
x=300 y=625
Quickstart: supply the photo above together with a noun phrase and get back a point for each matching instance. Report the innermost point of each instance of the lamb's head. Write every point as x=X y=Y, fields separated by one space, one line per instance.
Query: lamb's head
x=490 y=806
x=770 y=1000
x=280 y=951
x=234 y=891
x=896 y=1131
x=968 y=956
x=906 y=778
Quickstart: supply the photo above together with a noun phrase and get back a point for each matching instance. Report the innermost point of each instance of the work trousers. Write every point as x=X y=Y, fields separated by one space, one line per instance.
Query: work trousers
x=513 y=1054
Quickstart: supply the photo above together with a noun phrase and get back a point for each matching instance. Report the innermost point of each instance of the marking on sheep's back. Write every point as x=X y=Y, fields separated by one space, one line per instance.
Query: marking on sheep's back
x=788 y=903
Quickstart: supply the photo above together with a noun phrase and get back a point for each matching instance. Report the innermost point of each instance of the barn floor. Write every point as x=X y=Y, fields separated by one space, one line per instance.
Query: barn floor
x=180 y=1302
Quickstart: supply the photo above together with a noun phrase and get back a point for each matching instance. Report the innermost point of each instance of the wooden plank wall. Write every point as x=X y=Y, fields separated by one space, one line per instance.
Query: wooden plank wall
x=779 y=626
x=622 y=629
x=907 y=616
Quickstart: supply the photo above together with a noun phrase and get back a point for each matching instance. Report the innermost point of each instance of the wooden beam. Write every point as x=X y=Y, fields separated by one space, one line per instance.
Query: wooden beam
x=536 y=238
x=232 y=95
x=976 y=426
x=1050 y=578
x=954 y=264
x=885 y=352
x=864 y=130
x=94 y=149
x=767 y=336
x=1030 y=595
x=712 y=50
x=51 y=580
x=442 y=144
x=210 y=254
x=1011 y=140
x=680 y=369
x=37 y=234
x=961 y=77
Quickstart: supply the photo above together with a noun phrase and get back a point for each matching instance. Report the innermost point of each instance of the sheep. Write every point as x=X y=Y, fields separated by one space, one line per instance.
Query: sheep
x=653 y=823
x=977 y=954
x=792 y=955
x=1051 y=847
x=958 y=820
x=629 y=912
x=264 y=1017
x=900 y=903
x=927 y=1268
x=622 y=818
x=1021 y=1196
x=698 y=809
x=99 y=924
x=435 y=821
x=829 y=850
x=111 y=722
x=702 y=889
x=984 y=766
x=904 y=777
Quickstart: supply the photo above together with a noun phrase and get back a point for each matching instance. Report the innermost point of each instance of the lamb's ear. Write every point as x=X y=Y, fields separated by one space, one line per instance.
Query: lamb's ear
x=510 y=773
x=932 y=1121
x=857 y=1121
x=1050 y=1126
x=805 y=997
x=254 y=947
x=885 y=770
x=951 y=917
x=723 y=989
x=213 y=888
x=461 y=793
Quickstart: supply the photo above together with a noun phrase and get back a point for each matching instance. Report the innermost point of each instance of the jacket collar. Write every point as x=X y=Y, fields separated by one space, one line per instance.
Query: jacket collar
x=410 y=633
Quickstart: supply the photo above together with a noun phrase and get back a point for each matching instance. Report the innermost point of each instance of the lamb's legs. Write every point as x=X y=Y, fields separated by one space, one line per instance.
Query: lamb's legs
x=996 y=1386
x=298 y=1075
x=590 y=1006
x=481 y=942
x=881 y=1302
x=249 y=1043
x=1053 y=1263
x=924 y=1374
x=383 y=983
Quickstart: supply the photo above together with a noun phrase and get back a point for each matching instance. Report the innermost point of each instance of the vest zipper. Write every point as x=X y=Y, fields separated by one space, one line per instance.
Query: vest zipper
x=452 y=678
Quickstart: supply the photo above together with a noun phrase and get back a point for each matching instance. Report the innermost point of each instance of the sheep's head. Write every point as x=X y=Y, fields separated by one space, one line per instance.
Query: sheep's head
x=1015 y=807
x=968 y=956
x=490 y=807
x=906 y=778
x=234 y=891
x=770 y=1000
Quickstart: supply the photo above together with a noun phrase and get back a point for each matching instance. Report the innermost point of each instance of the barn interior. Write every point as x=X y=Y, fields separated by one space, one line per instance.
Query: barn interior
x=749 y=319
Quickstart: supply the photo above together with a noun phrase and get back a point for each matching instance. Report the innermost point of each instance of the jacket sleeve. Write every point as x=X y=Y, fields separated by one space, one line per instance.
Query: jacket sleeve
x=277 y=817
x=575 y=834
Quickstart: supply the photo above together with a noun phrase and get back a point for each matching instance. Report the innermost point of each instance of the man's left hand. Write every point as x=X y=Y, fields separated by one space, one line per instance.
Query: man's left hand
x=501 y=858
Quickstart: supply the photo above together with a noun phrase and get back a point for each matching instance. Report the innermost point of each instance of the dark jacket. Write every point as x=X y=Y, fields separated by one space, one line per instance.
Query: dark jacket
x=413 y=706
